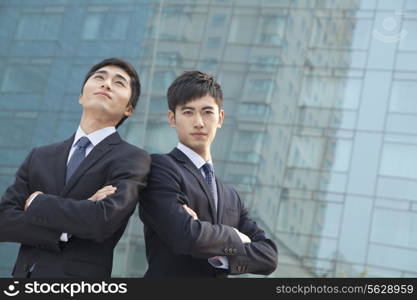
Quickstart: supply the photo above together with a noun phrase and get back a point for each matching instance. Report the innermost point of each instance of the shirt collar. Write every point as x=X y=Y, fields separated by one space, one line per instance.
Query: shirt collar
x=96 y=136
x=196 y=159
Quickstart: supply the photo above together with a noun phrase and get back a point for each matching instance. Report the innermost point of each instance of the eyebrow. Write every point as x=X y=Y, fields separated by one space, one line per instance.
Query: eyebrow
x=193 y=108
x=117 y=75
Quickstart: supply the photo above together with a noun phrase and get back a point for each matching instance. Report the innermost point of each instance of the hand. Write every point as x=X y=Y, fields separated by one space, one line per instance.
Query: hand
x=30 y=198
x=103 y=193
x=243 y=237
x=190 y=212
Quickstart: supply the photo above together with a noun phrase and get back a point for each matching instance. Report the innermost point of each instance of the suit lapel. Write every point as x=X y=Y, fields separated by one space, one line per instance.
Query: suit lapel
x=188 y=164
x=95 y=155
x=62 y=151
x=220 y=201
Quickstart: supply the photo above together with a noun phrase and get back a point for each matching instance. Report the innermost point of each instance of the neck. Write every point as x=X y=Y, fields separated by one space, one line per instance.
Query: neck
x=89 y=124
x=204 y=153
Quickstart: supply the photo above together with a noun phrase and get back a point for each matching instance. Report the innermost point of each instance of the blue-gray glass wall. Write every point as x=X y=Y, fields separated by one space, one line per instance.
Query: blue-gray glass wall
x=320 y=137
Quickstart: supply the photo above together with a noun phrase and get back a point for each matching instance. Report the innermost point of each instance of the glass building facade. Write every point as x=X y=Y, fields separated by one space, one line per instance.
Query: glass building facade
x=320 y=135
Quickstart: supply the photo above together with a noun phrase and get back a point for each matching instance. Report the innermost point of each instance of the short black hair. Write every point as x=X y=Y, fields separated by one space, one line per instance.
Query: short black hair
x=129 y=69
x=192 y=85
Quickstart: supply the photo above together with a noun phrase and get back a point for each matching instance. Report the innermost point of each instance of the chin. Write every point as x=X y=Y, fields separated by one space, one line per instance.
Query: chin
x=197 y=147
x=98 y=107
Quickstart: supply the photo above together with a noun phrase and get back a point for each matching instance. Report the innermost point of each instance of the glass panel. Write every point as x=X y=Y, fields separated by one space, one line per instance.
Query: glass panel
x=401 y=188
x=402 y=123
x=394 y=227
x=306 y=152
x=39 y=26
x=105 y=26
x=91 y=29
x=24 y=78
x=404 y=97
x=241 y=23
x=399 y=160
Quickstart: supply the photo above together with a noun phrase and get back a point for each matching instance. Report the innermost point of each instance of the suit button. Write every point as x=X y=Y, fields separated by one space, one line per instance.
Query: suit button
x=226 y=250
x=230 y=250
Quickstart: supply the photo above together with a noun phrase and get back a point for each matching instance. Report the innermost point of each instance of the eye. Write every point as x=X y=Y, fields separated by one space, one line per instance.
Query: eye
x=99 y=77
x=120 y=83
x=187 y=112
x=208 y=112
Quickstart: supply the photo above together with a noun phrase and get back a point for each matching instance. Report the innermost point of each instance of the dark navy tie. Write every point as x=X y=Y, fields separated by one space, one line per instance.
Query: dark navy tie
x=209 y=172
x=77 y=157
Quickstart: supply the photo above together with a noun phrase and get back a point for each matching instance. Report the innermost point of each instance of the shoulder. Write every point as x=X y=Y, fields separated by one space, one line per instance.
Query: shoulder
x=130 y=149
x=164 y=161
x=134 y=149
x=161 y=158
x=51 y=148
x=165 y=165
x=55 y=145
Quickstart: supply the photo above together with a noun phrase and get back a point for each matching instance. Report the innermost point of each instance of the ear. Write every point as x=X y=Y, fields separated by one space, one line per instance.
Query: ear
x=128 y=111
x=171 y=118
x=221 y=118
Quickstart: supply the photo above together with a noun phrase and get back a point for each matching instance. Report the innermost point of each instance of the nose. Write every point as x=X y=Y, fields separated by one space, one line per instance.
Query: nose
x=198 y=121
x=106 y=84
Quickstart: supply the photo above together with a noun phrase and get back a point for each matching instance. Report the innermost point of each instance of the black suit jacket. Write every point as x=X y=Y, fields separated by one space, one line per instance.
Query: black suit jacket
x=177 y=245
x=96 y=226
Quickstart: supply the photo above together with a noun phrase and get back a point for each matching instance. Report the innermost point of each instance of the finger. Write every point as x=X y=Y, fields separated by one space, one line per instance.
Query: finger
x=109 y=190
x=190 y=212
x=186 y=208
x=100 y=197
x=106 y=188
x=109 y=187
x=104 y=194
x=108 y=193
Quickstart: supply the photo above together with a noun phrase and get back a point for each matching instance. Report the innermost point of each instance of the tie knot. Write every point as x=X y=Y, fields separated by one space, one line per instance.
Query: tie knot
x=83 y=142
x=208 y=169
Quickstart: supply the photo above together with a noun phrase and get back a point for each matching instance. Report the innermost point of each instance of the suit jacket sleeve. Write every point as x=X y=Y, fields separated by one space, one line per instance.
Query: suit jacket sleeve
x=13 y=225
x=161 y=210
x=261 y=254
x=95 y=220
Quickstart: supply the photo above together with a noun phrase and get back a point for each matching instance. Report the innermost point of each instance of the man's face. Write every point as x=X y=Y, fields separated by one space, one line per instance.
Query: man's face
x=106 y=94
x=196 y=122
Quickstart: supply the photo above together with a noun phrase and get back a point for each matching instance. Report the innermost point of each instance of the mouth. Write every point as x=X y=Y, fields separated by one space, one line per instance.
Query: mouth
x=198 y=134
x=103 y=94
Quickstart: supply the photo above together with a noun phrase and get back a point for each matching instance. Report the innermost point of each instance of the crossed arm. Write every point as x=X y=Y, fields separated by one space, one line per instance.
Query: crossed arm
x=261 y=253
x=13 y=224
x=49 y=215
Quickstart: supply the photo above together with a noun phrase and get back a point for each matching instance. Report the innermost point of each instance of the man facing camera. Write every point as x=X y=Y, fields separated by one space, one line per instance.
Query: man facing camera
x=195 y=225
x=71 y=201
